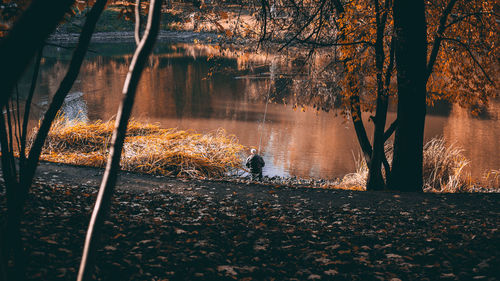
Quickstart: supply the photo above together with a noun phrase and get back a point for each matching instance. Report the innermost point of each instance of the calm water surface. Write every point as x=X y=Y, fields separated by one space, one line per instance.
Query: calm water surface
x=190 y=87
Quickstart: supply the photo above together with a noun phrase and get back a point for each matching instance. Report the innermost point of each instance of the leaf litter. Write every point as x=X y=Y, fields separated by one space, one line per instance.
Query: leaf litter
x=212 y=230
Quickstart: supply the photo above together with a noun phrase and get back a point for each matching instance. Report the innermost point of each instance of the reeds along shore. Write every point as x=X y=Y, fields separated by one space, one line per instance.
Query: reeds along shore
x=148 y=148
x=443 y=170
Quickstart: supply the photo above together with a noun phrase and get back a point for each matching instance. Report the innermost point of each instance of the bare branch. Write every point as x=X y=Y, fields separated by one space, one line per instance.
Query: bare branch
x=297 y=34
x=438 y=39
x=137 y=30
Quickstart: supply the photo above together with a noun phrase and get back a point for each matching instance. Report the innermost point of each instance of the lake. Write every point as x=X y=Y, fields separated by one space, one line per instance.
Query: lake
x=196 y=87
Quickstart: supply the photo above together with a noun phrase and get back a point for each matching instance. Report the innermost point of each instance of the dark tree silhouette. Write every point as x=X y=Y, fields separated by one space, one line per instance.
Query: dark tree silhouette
x=411 y=57
x=108 y=183
x=18 y=184
x=25 y=38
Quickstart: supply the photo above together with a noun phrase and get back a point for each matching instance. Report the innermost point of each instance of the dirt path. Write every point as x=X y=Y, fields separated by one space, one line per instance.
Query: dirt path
x=171 y=229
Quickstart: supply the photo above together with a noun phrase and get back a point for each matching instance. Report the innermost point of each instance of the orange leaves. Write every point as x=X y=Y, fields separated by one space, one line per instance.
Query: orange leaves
x=223 y=15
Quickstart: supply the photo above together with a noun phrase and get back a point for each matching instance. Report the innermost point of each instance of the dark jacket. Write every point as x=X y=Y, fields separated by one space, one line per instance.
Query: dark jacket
x=255 y=163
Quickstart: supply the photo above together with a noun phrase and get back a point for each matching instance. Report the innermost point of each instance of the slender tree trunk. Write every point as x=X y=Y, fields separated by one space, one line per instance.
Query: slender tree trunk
x=11 y=243
x=27 y=108
x=9 y=176
x=138 y=22
x=375 y=181
x=28 y=172
x=25 y=39
x=17 y=190
x=411 y=58
x=106 y=189
x=360 y=129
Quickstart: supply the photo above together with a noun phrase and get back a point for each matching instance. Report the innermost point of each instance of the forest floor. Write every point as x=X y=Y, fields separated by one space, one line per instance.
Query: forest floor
x=163 y=228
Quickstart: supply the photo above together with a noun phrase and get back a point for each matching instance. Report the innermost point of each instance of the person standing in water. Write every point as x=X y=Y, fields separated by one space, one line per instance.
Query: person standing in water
x=255 y=163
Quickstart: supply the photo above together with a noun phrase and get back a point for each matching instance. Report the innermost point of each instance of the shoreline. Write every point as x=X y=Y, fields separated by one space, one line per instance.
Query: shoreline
x=128 y=37
x=135 y=181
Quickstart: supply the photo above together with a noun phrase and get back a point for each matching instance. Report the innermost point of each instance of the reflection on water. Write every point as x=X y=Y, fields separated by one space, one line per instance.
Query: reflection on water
x=191 y=87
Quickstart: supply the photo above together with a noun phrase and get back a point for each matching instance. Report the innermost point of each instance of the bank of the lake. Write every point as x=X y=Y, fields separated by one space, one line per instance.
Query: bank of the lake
x=128 y=37
x=177 y=229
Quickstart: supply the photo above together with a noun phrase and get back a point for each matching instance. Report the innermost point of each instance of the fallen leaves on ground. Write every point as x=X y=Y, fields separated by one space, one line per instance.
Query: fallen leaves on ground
x=217 y=231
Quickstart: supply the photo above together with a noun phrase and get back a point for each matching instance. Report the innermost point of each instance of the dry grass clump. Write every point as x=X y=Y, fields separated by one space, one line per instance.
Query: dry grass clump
x=147 y=149
x=443 y=169
x=444 y=165
x=356 y=180
x=491 y=179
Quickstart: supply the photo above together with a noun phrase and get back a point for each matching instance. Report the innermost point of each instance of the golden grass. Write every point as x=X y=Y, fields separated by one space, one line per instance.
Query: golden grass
x=147 y=149
x=356 y=180
x=444 y=165
x=491 y=179
x=443 y=170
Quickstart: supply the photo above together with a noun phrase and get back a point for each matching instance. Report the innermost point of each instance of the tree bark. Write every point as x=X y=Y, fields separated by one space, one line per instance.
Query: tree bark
x=375 y=181
x=11 y=237
x=106 y=189
x=17 y=190
x=138 y=22
x=27 y=108
x=411 y=57
x=25 y=39
x=360 y=129
x=28 y=171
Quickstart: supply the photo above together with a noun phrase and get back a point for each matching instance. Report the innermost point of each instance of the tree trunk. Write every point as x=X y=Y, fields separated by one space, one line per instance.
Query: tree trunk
x=375 y=181
x=411 y=56
x=106 y=189
x=25 y=39
x=17 y=191
x=27 y=108
x=360 y=129
x=28 y=172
